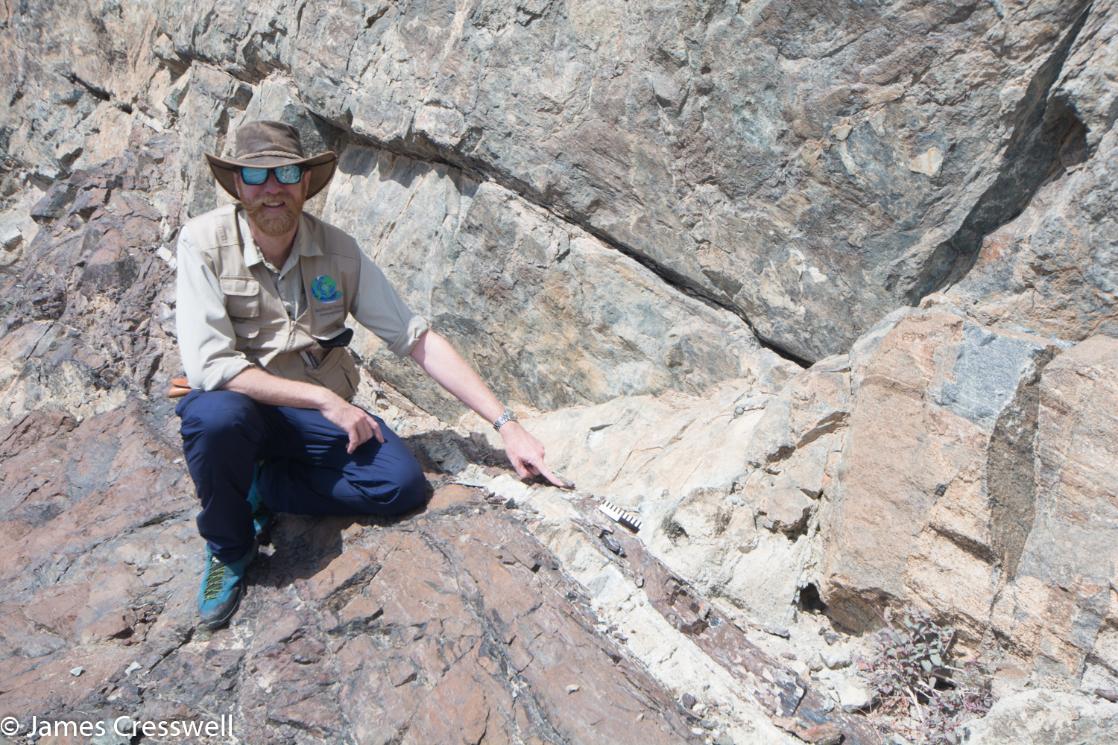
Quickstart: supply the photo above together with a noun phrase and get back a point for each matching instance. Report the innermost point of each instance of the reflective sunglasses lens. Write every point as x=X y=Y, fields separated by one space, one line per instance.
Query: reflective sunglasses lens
x=289 y=174
x=254 y=176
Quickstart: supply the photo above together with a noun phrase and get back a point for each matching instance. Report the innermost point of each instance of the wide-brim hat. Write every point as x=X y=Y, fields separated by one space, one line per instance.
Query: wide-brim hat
x=267 y=145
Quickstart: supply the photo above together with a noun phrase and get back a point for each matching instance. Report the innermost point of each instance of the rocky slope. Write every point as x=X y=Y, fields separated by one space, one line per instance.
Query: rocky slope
x=643 y=224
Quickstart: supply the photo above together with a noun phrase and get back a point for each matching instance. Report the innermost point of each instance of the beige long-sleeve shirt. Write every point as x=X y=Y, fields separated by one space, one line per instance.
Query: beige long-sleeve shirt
x=207 y=341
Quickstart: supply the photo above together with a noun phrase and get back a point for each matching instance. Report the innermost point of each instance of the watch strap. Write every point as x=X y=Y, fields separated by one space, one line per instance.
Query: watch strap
x=506 y=416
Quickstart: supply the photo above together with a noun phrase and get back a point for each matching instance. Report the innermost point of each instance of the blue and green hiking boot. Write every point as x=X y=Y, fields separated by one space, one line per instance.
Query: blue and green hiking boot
x=222 y=587
x=261 y=515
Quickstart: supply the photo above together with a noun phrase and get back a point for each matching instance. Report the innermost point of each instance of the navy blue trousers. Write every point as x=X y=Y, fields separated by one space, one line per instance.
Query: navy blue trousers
x=305 y=468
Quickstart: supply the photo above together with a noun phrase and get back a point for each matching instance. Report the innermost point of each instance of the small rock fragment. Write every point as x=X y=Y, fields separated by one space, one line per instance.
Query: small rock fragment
x=10 y=237
x=76 y=671
x=927 y=162
x=853 y=695
x=780 y=631
x=688 y=701
x=611 y=543
x=572 y=688
x=835 y=659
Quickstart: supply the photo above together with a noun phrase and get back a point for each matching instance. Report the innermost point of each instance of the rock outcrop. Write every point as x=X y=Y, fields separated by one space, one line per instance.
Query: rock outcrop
x=455 y=625
x=935 y=468
x=1052 y=269
x=823 y=294
x=1046 y=718
x=791 y=163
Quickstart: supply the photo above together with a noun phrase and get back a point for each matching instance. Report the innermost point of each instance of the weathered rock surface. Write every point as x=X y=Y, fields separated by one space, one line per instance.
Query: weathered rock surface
x=976 y=481
x=471 y=621
x=87 y=311
x=643 y=602
x=1046 y=718
x=808 y=170
x=604 y=205
x=917 y=477
x=454 y=625
x=591 y=324
x=1054 y=269
x=724 y=494
x=709 y=479
x=1060 y=612
x=808 y=167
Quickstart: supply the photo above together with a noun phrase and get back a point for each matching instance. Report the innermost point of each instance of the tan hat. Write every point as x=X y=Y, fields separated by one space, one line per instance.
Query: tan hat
x=267 y=145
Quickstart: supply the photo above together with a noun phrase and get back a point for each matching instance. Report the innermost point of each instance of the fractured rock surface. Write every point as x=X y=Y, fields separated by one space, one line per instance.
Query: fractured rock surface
x=807 y=168
x=450 y=625
x=795 y=163
x=1052 y=270
x=636 y=221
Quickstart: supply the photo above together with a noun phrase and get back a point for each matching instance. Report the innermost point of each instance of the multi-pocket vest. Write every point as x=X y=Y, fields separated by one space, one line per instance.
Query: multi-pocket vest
x=264 y=333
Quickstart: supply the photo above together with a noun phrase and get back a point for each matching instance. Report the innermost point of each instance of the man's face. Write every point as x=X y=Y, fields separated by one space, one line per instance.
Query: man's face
x=274 y=208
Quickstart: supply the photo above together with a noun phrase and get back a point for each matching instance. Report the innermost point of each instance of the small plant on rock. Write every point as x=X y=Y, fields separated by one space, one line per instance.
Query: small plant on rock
x=921 y=693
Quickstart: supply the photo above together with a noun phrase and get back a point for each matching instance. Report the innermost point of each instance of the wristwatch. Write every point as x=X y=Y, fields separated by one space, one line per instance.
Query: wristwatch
x=505 y=417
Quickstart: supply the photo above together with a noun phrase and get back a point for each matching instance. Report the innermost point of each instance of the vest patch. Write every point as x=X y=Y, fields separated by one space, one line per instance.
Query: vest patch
x=325 y=289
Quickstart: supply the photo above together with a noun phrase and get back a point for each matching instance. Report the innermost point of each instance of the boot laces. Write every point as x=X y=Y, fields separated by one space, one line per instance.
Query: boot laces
x=215 y=578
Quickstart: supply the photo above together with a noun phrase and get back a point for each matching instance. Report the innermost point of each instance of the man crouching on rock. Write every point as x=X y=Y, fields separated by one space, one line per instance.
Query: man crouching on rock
x=264 y=292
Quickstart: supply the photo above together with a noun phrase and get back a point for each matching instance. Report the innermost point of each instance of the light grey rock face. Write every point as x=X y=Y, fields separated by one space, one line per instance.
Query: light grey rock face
x=1054 y=269
x=674 y=460
x=1046 y=718
x=551 y=315
x=728 y=486
x=810 y=166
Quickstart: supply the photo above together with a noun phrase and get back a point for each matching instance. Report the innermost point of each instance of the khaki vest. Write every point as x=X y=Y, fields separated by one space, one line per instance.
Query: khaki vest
x=265 y=334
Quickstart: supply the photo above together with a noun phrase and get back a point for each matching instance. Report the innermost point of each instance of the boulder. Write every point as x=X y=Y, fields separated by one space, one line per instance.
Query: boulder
x=936 y=455
x=1059 y=614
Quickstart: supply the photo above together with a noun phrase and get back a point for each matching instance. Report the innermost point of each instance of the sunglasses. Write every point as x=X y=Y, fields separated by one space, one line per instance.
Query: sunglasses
x=284 y=174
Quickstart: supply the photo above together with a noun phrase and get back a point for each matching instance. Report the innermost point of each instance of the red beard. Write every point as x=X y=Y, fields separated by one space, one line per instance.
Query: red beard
x=270 y=220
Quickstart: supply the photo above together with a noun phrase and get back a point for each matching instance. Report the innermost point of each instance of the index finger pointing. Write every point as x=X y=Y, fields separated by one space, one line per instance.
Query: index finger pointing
x=555 y=479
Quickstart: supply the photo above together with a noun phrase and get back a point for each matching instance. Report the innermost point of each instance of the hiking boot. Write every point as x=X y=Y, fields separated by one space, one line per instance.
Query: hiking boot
x=221 y=589
x=261 y=515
